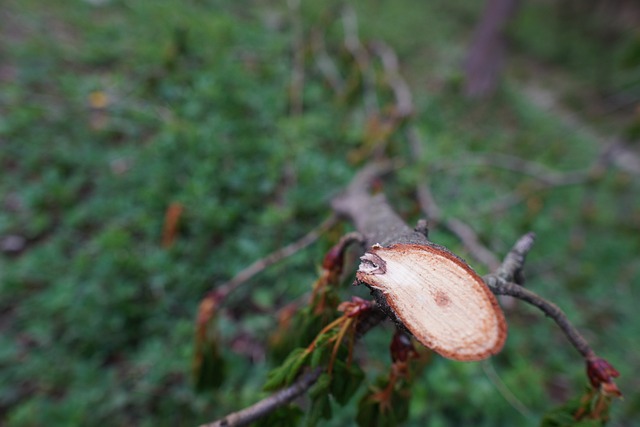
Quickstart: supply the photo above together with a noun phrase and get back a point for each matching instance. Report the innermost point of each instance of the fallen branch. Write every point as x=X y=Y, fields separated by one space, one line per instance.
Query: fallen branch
x=392 y=243
x=422 y=286
x=382 y=228
x=507 y=280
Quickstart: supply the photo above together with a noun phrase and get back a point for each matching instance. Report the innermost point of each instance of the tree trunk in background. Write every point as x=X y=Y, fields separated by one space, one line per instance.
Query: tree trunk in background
x=486 y=54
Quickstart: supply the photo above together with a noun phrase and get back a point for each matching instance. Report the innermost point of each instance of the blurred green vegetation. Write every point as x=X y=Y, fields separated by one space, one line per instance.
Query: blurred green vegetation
x=110 y=111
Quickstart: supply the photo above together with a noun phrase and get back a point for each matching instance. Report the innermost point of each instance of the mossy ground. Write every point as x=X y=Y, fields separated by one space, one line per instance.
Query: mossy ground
x=110 y=111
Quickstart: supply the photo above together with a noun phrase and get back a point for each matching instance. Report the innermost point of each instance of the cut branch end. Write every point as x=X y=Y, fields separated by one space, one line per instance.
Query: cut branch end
x=438 y=298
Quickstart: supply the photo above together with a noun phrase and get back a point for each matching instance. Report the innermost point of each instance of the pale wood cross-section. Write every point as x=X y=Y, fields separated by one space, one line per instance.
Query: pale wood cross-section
x=438 y=298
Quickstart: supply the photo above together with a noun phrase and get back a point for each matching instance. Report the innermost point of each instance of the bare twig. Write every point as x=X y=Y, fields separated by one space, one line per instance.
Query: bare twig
x=402 y=93
x=548 y=308
x=511 y=268
x=505 y=282
x=269 y=404
x=274 y=257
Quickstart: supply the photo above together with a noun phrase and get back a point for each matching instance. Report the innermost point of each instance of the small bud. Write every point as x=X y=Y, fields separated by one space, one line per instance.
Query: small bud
x=355 y=307
x=601 y=374
x=402 y=348
x=333 y=258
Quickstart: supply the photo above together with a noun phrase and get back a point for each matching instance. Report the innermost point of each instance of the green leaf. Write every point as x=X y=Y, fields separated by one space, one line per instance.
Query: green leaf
x=563 y=416
x=321 y=387
x=209 y=373
x=320 y=401
x=287 y=371
x=296 y=365
x=346 y=381
x=371 y=413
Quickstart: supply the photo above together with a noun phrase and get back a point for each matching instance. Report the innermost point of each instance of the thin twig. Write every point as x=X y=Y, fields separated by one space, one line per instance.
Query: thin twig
x=511 y=268
x=505 y=282
x=269 y=404
x=274 y=257
x=401 y=92
x=550 y=310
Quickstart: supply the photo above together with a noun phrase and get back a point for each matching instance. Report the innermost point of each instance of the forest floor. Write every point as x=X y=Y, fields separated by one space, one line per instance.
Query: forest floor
x=111 y=112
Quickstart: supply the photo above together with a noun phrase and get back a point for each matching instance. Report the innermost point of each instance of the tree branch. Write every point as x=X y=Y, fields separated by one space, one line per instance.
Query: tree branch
x=548 y=308
x=375 y=219
x=269 y=404
x=507 y=280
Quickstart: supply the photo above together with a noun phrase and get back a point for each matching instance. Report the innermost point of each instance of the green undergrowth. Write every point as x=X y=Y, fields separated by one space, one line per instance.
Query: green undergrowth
x=112 y=111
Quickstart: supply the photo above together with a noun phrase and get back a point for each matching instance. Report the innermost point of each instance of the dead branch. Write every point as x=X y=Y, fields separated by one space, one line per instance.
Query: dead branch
x=385 y=231
x=374 y=218
x=269 y=404
x=621 y=153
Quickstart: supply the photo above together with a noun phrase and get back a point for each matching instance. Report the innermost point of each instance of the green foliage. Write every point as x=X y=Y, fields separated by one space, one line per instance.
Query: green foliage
x=564 y=417
x=211 y=374
x=287 y=372
x=321 y=401
x=345 y=381
x=111 y=111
